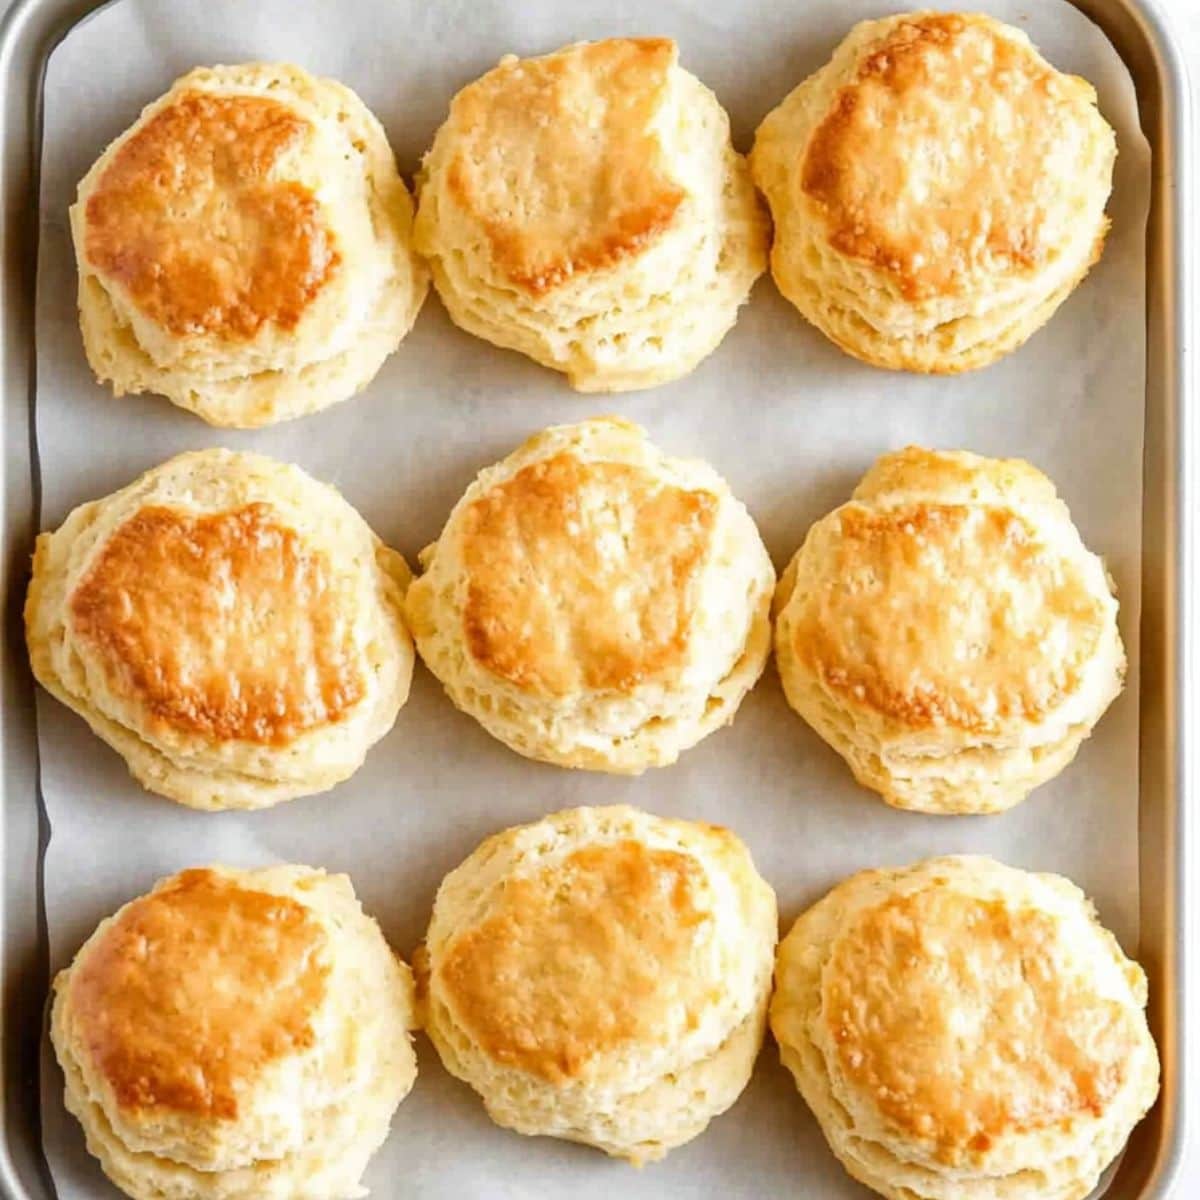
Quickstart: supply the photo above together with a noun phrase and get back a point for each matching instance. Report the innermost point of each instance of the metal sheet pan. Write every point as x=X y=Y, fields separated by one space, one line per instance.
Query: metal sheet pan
x=30 y=31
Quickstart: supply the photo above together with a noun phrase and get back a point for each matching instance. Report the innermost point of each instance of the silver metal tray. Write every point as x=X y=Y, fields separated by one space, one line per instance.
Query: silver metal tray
x=30 y=31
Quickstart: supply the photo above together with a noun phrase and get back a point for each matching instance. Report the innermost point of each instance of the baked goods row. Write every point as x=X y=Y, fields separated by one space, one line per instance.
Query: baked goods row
x=237 y=633
x=960 y=1029
x=248 y=250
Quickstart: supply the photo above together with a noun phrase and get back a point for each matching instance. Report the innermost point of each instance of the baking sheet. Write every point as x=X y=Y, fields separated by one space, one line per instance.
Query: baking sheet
x=789 y=420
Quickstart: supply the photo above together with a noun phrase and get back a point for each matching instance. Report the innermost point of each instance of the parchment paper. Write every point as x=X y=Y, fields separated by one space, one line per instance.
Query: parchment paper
x=787 y=418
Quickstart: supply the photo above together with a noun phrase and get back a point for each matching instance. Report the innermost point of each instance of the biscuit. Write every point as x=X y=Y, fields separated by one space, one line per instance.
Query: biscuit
x=593 y=603
x=588 y=209
x=938 y=190
x=601 y=976
x=948 y=633
x=963 y=1030
x=236 y=1035
x=230 y=626
x=245 y=249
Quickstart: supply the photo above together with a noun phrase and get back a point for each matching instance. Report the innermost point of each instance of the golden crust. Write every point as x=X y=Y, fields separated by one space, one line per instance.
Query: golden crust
x=226 y=625
x=190 y=219
x=948 y=633
x=578 y=960
x=922 y=973
x=244 y=249
x=963 y=1029
x=915 y=619
x=582 y=575
x=933 y=223
x=963 y=477
x=236 y=1035
x=558 y=161
x=193 y=989
x=587 y=209
x=602 y=976
x=594 y=603
x=938 y=189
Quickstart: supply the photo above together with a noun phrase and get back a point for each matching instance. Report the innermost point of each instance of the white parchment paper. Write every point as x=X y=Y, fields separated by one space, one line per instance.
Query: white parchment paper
x=787 y=418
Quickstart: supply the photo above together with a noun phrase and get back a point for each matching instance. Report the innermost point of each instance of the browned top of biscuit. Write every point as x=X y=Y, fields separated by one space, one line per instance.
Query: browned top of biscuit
x=222 y=626
x=581 y=958
x=193 y=990
x=583 y=575
x=954 y=614
x=558 y=160
x=964 y=1020
x=194 y=220
x=946 y=152
x=918 y=472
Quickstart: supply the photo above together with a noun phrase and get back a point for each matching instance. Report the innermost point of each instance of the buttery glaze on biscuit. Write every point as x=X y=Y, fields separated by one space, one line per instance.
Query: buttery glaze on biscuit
x=964 y=1030
x=580 y=959
x=226 y=625
x=244 y=249
x=587 y=209
x=564 y=182
x=190 y=220
x=938 y=190
x=1043 y=1049
x=230 y=626
x=602 y=976
x=994 y=211
x=160 y=999
x=916 y=617
x=948 y=633
x=236 y=1035
x=582 y=575
x=594 y=603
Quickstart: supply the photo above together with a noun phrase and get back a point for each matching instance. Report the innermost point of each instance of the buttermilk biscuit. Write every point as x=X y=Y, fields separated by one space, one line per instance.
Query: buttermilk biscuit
x=593 y=603
x=948 y=633
x=963 y=1030
x=236 y=1035
x=602 y=976
x=938 y=190
x=588 y=209
x=245 y=248
x=228 y=625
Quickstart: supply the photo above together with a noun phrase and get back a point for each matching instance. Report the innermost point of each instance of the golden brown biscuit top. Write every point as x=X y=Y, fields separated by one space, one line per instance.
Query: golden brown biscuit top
x=948 y=614
x=193 y=990
x=192 y=220
x=226 y=625
x=583 y=575
x=946 y=154
x=963 y=1022
x=556 y=157
x=955 y=473
x=581 y=959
